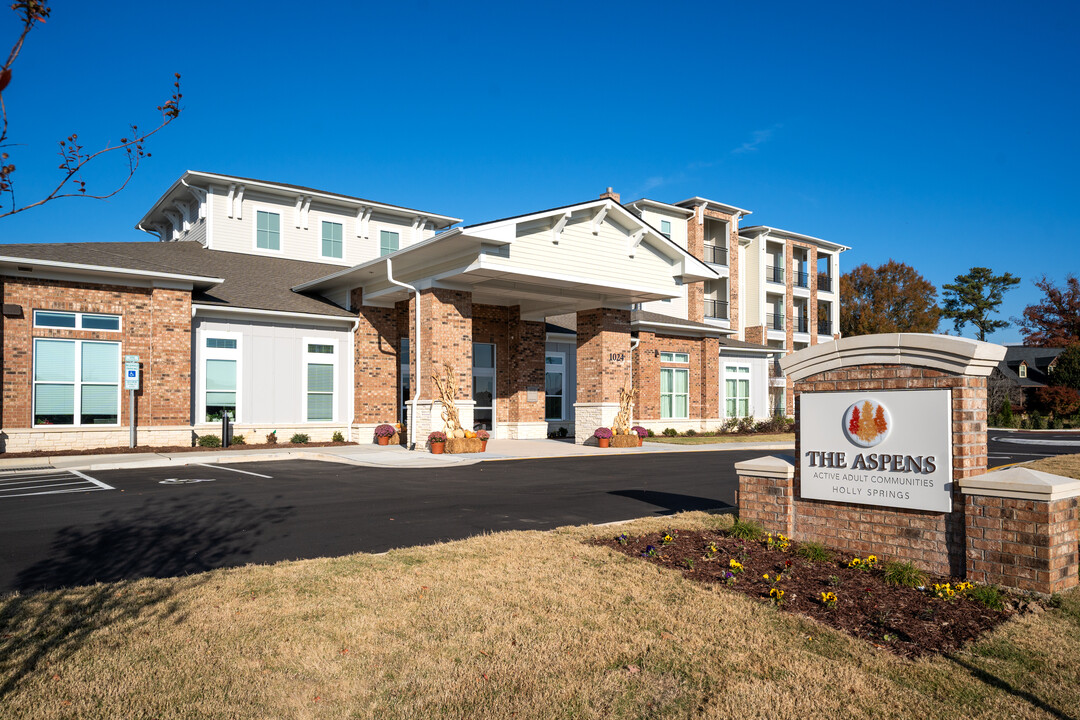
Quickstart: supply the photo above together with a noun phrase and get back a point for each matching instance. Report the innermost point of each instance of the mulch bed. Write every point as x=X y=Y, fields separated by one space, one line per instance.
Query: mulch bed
x=905 y=621
x=169 y=449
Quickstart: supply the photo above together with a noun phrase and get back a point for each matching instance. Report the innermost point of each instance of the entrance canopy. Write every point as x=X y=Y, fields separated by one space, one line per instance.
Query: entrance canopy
x=594 y=254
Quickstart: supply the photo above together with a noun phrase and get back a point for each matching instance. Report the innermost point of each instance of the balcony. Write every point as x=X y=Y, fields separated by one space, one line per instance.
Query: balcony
x=801 y=324
x=716 y=309
x=774 y=274
x=774 y=321
x=715 y=254
x=824 y=283
x=824 y=327
x=802 y=279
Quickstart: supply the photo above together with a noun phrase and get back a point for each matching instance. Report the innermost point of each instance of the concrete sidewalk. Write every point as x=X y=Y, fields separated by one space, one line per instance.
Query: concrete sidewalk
x=362 y=455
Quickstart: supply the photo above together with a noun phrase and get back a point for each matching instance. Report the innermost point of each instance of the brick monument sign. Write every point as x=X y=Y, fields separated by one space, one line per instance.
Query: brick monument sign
x=890 y=459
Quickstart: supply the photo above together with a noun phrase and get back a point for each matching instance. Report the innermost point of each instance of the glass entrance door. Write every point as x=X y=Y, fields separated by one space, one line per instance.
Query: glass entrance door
x=483 y=381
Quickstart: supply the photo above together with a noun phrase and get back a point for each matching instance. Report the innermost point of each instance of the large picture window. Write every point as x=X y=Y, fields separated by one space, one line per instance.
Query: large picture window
x=221 y=377
x=320 y=371
x=674 y=393
x=555 y=386
x=76 y=382
x=737 y=390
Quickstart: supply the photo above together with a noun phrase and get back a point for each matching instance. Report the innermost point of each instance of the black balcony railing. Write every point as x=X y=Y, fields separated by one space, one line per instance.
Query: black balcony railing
x=824 y=283
x=801 y=324
x=715 y=254
x=824 y=327
x=716 y=309
x=775 y=321
x=802 y=279
x=774 y=274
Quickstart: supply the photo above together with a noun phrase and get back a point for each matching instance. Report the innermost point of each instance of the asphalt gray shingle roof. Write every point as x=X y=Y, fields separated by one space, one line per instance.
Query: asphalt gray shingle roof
x=250 y=281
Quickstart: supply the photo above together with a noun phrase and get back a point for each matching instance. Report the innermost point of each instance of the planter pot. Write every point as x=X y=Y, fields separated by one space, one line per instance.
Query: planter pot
x=437 y=448
x=384 y=440
x=483 y=446
x=640 y=440
x=603 y=442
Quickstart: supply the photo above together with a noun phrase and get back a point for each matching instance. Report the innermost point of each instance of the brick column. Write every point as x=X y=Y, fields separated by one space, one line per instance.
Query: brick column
x=446 y=317
x=812 y=309
x=695 y=245
x=375 y=363
x=603 y=368
x=709 y=379
x=733 y=274
x=525 y=343
x=766 y=492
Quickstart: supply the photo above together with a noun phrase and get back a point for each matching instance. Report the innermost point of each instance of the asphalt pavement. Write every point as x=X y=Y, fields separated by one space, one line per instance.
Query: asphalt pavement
x=1007 y=447
x=164 y=522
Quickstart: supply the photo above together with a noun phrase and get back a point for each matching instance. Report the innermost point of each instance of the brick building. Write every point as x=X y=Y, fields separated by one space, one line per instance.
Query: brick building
x=294 y=309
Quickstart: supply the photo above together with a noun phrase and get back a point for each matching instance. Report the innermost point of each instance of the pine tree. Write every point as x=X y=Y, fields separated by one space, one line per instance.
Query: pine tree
x=973 y=297
x=879 y=420
x=853 y=426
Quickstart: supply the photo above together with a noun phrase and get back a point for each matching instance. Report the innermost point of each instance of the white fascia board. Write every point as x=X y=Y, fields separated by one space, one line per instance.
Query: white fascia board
x=105 y=270
x=755 y=230
x=207 y=310
x=714 y=205
x=662 y=205
x=673 y=328
x=761 y=351
x=486 y=262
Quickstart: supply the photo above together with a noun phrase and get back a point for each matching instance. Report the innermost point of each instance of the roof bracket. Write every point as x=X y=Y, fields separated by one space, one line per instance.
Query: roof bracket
x=200 y=197
x=296 y=210
x=237 y=203
x=185 y=213
x=363 y=217
x=229 y=199
x=599 y=219
x=699 y=211
x=304 y=211
x=417 y=227
x=176 y=220
x=556 y=231
x=634 y=240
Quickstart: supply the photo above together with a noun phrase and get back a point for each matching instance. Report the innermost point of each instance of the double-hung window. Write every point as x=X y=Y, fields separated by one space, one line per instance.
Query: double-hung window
x=221 y=377
x=267 y=230
x=737 y=391
x=332 y=235
x=76 y=382
x=320 y=369
x=388 y=242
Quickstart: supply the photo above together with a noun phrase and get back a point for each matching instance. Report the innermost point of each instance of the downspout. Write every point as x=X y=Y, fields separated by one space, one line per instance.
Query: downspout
x=416 y=350
x=634 y=342
x=148 y=232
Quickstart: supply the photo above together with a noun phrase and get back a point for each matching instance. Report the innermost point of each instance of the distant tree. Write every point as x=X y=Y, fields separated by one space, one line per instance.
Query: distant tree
x=973 y=297
x=892 y=297
x=73 y=156
x=1001 y=392
x=1061 y=401
x=1067 y=368
x=1055 y=320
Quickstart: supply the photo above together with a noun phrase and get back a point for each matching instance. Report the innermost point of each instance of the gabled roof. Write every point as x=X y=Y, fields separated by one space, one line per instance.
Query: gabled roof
x=229 y=280
x=1037 y=359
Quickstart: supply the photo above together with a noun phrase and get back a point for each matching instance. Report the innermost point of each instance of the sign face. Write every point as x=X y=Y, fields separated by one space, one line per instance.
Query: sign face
x=878 y=447
x=131 y=372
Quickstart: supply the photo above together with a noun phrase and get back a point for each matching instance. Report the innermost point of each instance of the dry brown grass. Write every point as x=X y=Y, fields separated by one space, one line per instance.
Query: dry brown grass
x=710 y=439
x=1066 y=465
x=513 y=625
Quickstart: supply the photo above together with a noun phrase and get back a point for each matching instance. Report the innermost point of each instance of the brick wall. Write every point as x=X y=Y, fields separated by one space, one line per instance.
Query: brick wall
x=527 y=342
x=755 y=334
x=1027 y=544
x=155 y=325
x=695 y=245
x=769 y=502
x=704 y=367
x=601 y=333
x=447 y=337
x=376 y=363
x=933 y=540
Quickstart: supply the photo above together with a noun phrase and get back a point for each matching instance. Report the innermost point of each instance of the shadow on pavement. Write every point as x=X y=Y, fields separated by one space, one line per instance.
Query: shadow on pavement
x=674 y=502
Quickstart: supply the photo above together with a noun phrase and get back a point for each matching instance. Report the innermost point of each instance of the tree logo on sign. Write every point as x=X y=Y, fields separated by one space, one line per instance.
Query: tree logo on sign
x=867 y=423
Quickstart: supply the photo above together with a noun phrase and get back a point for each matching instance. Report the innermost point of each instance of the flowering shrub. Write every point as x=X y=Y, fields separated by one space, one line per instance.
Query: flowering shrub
x=640 y=431
x=603 y=433
x=384 y=430
x=865 y=565
x=437 y=437
x=483 y=434
x=778 y=542
x=828 y=599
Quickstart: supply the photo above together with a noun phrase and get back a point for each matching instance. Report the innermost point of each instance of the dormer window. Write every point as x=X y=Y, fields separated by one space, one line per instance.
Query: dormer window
x=1022 y=370
x=665 y=228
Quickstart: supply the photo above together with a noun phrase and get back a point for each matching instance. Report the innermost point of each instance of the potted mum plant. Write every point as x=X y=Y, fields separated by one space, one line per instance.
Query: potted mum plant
x=483 y=436
x=437 y=441
x=603 y=436
x=641 y=432
x=383 y=433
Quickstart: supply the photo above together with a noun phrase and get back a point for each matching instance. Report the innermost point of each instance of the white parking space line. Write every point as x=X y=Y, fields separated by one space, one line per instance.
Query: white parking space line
x=100 y=484
x=245 y=472
x=49 y=483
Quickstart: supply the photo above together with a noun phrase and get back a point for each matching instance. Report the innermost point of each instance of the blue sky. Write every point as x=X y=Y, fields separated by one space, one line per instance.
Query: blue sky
x=943 y=135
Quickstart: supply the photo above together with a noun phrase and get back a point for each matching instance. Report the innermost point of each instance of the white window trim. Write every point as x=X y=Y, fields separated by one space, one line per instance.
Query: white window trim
x=337 y=221
x=748 y=375
x=668 y=233
x=674 y=354
x=494 y=384
x=318 y=359
x=78 y=320
x=202 y=354
x=77 y=383
x=378 y=239
x=404 y=370
x=562 y=372
x=254 y=214
x=675 y=394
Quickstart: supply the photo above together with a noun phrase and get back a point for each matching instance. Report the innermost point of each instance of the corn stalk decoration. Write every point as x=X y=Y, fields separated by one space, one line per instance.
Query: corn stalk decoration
x=621 y=425
x=446 y=386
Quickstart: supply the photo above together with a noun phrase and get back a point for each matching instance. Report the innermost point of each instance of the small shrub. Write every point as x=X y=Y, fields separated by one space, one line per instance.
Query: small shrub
x=1025 y=423
x=904 y=574
x=1006 y=414
x=691 y=432
x=993 y=420
x=563 y=432
x=746 y=425
x=209 y=441
x=237 y=440
x=730 y=424
x=299 y=439
x=815 y=552
x=670 y=432
x=988 y=595
x=761 y=426
x=271 y=437
x=1057 y=424
x=651 y=434
x=1038 y=422
x=338 y=437
x=746 y=530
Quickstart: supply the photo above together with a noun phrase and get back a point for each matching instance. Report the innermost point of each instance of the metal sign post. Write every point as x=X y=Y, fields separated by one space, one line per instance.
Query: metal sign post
x=131 y=384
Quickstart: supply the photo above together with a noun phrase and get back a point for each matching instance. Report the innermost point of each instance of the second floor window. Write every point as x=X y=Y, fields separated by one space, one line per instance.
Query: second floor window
x=665 y=228
x=267 y=230
x=388 y=242
x=332 y=239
